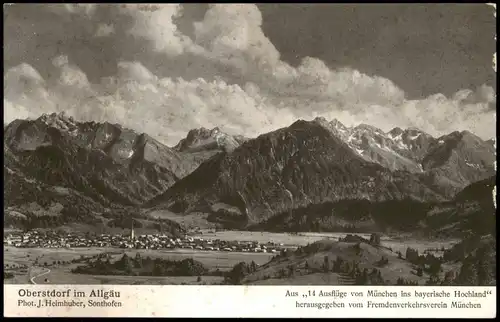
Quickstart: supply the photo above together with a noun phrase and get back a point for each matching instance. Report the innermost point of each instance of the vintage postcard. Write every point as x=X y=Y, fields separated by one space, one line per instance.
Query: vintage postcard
x=249 y=160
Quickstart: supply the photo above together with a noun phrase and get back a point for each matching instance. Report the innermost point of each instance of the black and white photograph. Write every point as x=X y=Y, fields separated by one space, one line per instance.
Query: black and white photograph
x=250 y=144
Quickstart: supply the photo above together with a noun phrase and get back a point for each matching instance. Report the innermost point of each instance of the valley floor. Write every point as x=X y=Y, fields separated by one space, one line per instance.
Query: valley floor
x=21 y=261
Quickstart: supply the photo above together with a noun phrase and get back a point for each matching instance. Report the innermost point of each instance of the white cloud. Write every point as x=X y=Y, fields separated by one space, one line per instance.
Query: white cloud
x=155 y=23
x=12 y=111
x=69 y=75
x=272 y=93
x=165 y=108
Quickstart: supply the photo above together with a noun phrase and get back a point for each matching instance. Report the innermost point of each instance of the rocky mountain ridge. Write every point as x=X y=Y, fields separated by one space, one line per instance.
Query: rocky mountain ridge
x=413 y=150
x=241 y=182
x=315 y=162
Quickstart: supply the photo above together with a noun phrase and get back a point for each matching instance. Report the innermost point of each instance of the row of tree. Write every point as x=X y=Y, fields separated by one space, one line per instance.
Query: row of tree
x=138 y=265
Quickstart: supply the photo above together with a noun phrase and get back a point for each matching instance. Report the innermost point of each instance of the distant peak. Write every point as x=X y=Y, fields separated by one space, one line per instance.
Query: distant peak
x=202 y=132
x=61 y=115
x=334 y=124
x=197 y=138
x=396 y=131
x=320 y=118
x=364 y=126
x=59 y=120
x=337 y=123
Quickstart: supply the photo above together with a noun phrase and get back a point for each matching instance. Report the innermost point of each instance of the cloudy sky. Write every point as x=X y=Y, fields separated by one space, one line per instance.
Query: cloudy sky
x=165 y=69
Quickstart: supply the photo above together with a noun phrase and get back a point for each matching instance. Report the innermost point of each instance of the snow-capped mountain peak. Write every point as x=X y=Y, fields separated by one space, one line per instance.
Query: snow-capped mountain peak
x=204 y=139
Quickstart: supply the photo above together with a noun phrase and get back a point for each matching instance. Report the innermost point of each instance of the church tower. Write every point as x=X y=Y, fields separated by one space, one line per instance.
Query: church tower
x=132 y=235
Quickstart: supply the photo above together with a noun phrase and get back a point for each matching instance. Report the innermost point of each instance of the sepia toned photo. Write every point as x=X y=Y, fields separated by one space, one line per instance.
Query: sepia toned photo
x=250 y=144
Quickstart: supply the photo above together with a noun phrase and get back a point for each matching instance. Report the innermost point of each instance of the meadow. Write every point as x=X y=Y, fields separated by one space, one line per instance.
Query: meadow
x=15 y=258
x=58 y=259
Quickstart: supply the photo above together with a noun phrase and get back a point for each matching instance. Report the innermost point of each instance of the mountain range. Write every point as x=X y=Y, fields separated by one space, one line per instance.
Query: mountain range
x=264 y=182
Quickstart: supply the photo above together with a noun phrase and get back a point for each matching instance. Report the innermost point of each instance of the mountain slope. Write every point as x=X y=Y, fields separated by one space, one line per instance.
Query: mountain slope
x=289 y=168
x=105 y=161
x=202 y=144
x=30 y=203
x=470 y=213
x=454 y=160
x=396 y=150
x=459 y=159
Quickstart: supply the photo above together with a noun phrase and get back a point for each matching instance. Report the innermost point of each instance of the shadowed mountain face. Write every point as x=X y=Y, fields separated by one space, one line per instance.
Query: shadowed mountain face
x=58 y=170
x=470 y=213
x=459 y=159
x=315 y=170
x=313 y=163
x=104 y=161
x=293 y=167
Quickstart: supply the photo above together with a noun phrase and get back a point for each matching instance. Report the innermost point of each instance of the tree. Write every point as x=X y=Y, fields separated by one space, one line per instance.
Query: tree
x=337 y=267
x=485 y=263
x=354 y=269
x=435 y=267
x=326 y=264
x=357 y=248
x=412 y=255
x=237 y=274
x=420 y=272
x=375 y=239
x=468 y=274
x=306 y=266
x=7 y=275
x=157 y=269
x=198 y=279
x=253 y=267
x=362 y=279
x=138 y=260
x=125 y=263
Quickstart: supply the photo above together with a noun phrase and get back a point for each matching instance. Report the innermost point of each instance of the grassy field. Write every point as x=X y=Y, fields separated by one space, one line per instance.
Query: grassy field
x=27 y=256
x=367 y=258
x=212 y=260
x=302 y=239
x=61 y=273
x=261 y=237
